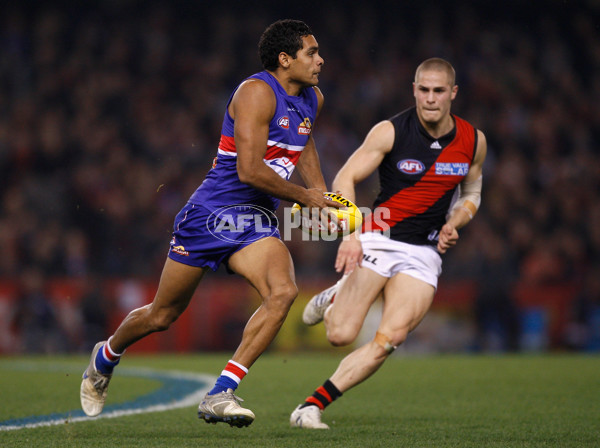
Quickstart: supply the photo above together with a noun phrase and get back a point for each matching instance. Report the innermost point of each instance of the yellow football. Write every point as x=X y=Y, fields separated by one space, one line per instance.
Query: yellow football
x=349 y=218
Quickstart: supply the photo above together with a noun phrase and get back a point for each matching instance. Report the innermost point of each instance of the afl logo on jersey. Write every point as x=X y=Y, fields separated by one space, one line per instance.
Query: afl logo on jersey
x=411 y=166
x=283 y=122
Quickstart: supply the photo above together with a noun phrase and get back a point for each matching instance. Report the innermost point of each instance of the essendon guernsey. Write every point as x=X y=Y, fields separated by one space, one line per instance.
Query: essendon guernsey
x=419 y=178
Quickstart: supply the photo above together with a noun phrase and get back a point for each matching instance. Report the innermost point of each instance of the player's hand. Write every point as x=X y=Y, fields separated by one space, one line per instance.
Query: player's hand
x=316 y=198
x=320 y=206
x=349 y=255
x=447 y=239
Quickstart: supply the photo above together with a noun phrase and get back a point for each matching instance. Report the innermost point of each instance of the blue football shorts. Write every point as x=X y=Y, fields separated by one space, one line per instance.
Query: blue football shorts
x=207 y=237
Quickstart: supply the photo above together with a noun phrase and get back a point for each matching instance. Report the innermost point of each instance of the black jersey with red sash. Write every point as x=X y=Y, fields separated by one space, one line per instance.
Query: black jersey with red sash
x=419 y=177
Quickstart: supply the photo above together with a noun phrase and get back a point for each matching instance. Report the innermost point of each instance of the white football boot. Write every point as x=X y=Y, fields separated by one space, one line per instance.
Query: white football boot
x=315 y=308
x=94 y=386
x=307 y=417
x=225 y=407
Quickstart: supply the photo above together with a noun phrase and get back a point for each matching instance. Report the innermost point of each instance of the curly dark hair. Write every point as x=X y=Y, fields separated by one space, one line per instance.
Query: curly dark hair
x=284 y=35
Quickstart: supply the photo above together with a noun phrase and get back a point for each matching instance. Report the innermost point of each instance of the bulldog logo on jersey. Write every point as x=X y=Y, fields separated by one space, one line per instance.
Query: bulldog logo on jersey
x=283 y=122
x=411 y=166
x=305 y=127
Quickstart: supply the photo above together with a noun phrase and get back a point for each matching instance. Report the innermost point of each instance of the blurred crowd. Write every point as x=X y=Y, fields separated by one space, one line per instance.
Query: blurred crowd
x=110 y=115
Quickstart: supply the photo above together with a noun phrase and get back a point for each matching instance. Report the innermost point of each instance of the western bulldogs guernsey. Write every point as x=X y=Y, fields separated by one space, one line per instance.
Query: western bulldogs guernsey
x=419 y=179
x=289 y=131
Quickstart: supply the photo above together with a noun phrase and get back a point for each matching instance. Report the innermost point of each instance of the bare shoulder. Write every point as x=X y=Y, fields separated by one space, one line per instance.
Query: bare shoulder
x=320 y=98
x=253 y=95
x=254 y=84
x=381 y=137
x=481 y=138
x=385 y=127
x=481 y=147
x=365 y=160
x=318 y=92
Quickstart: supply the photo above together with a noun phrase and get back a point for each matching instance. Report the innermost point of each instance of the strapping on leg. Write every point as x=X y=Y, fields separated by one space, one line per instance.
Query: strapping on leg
x=385 y=342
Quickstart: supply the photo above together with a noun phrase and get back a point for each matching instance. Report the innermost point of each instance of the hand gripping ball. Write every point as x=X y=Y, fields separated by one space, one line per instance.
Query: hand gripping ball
x=349 y=218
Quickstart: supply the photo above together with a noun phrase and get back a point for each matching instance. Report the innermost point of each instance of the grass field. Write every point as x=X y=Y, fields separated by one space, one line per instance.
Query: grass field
x=436 y=401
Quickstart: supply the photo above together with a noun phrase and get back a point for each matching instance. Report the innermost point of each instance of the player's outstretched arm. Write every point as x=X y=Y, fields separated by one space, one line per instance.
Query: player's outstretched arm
x=360 y=165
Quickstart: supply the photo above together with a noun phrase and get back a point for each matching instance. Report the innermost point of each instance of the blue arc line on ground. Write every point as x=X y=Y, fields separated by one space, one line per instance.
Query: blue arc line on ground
x=179 y=389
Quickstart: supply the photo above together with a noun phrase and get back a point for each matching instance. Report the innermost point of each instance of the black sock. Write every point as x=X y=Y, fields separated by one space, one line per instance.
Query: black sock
x=323 y=396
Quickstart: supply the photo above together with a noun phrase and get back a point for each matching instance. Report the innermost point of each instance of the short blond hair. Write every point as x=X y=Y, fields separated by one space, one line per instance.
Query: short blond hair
x=437 y=64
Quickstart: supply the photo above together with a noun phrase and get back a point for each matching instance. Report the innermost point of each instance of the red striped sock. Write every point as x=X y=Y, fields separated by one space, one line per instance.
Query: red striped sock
x=323 y=396
x=235 y=371
x=109 y=354
x=230 y=377
x=106 y=359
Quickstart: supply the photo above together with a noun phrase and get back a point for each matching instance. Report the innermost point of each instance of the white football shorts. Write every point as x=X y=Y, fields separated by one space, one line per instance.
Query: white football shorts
x=388 y=257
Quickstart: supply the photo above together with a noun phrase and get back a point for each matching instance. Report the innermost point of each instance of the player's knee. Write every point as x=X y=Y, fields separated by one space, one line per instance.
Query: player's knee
x=338 y=339
x=281 y=298
x=390 y=342
x=161 y=320
x=340 y=336
x=284 y=295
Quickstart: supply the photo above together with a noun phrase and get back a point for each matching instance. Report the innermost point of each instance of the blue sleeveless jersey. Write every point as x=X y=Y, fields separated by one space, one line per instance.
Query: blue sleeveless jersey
x=289 y=131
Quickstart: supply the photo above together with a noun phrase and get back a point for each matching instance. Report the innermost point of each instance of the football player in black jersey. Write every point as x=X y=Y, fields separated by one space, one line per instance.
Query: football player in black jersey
x=430 y=169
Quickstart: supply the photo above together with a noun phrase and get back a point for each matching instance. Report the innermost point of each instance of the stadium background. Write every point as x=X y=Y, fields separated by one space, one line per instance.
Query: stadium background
x=110 y=114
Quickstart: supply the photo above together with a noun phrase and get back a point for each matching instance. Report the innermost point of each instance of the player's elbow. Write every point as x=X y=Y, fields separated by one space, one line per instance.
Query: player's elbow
x=247 y=176
x=251 y=173
x=244 y=174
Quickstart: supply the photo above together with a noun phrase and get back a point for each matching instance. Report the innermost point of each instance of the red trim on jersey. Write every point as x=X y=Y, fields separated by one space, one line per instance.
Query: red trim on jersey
x=411 y=201
x=275 y=152
x=418 y=198
x=227 y=143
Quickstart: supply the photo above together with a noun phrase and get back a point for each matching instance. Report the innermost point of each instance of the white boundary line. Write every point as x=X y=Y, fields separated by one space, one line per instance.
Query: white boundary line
x=188 y=400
